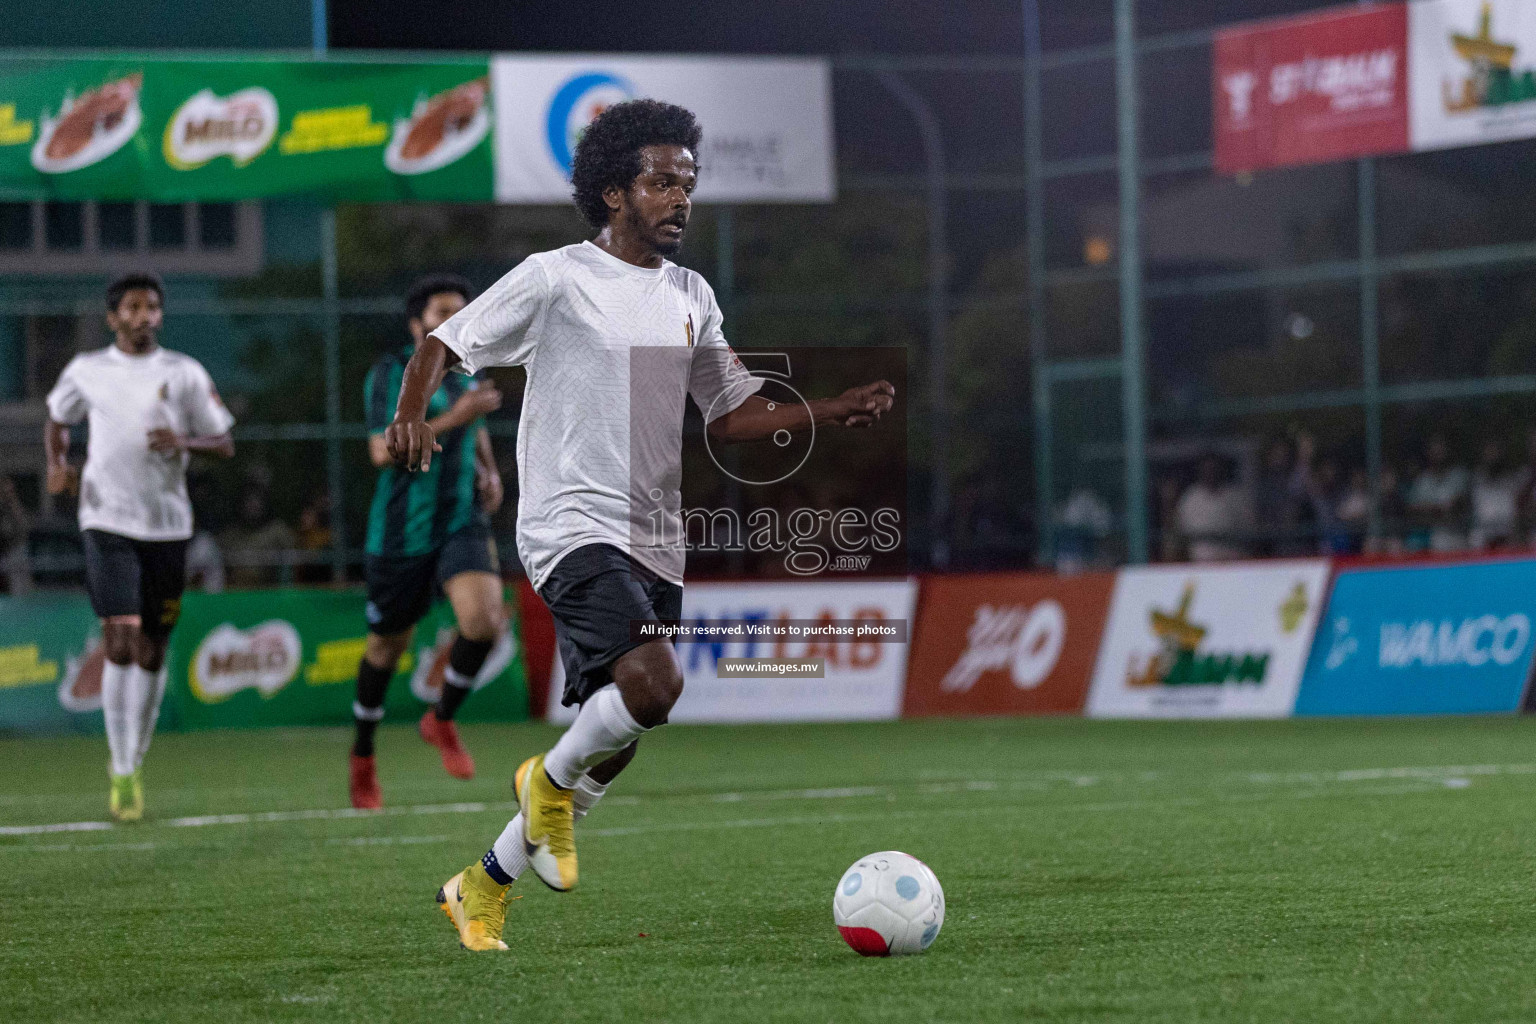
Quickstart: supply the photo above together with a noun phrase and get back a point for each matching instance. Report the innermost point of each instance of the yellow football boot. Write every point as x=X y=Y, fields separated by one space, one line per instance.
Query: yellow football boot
x=548 y=825
x=126 y=801
x=477 y=906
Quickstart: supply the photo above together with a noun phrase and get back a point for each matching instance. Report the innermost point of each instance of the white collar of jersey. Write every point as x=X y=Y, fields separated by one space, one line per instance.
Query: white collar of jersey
x=117 y=353
x=624 y=265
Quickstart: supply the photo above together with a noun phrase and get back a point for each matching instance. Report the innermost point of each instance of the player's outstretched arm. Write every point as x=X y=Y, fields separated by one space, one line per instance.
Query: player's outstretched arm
x=410 y=438
x=61 y=475
x=168 y=442
x=757 y=418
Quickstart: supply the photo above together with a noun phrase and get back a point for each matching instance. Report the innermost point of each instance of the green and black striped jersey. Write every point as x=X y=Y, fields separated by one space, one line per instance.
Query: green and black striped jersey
x=413 y=513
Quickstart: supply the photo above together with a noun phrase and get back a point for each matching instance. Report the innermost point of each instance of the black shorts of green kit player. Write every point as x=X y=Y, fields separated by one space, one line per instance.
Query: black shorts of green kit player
x=135 y=577
x=594 y=593
x=401 y=588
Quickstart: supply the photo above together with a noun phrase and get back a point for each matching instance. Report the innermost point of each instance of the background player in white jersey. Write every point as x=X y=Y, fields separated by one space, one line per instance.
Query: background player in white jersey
x=615 y=339
x=148 y=409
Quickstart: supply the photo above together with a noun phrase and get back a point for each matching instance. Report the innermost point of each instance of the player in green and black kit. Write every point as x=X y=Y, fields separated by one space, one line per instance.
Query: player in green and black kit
x=428 y=531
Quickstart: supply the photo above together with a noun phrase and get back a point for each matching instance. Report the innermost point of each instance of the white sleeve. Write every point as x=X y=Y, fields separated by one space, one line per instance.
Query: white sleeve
x=498 y=327
x=717 y=380
x=206 y=415
x=66 y=402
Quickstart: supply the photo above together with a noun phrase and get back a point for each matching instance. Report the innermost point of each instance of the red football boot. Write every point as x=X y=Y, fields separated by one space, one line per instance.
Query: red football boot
x=364 y=785
x=445 y=737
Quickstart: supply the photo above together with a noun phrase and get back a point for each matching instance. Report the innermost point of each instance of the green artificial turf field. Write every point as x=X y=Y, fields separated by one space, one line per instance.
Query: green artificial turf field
x=1094 y=871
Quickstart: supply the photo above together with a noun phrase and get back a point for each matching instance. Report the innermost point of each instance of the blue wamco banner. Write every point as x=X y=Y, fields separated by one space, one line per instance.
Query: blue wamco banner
x=1439 y=640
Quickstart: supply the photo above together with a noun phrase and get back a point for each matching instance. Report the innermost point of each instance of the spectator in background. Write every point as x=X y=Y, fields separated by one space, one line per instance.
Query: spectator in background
x=258 y=545
x=1353 y=511
x=1085 y=523
x=315 y=536
x=1170 y=544
x=1496 y=492
x=1276 y=512
x=1393 y=513
x=15 y=525
x=205 y=564
x=1437 y=499
x=1326 y=492
x=1212 y=517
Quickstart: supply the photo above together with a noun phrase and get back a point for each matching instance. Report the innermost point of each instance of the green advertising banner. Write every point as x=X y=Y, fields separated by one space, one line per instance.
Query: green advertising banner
x=289 y=657
x=245 y=658
x=177 y=131
x=50 y=664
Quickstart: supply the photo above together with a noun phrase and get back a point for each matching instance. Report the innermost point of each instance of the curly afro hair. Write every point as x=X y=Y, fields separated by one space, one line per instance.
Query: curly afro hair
x=608 y=153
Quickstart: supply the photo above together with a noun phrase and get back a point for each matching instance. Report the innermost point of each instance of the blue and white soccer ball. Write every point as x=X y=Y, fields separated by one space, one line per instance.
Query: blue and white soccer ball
x=888 y=904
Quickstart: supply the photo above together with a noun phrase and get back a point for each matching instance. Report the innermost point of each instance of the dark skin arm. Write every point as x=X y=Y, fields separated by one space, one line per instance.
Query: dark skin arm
x=487 y=475
x=757 y=419
x=167 y=442
x=410 y=439
x=471 y=405
x=61 y=475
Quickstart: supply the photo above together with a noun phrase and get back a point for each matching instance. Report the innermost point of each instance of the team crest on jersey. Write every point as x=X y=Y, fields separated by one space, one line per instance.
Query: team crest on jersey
x=690 y=330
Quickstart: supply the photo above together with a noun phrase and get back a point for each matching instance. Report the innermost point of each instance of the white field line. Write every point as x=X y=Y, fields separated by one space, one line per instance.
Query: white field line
x=1448 y=776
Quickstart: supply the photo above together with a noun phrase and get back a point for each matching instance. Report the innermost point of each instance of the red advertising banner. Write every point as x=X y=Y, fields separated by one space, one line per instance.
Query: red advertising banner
x=1329 y=86
x=1006 y=643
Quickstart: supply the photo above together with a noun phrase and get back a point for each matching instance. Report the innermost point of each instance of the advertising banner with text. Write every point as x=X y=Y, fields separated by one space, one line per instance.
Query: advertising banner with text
x=1319 y=87
x=130 y=127
x=289 y=657
x=1451 y=639
x=859 y=680
x=767 y=121
x=1371 y=80
x=1006 y=643
x=50 y=664
x=1218 y=641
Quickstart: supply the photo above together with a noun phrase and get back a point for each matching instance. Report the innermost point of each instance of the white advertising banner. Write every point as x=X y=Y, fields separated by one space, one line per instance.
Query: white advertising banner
x=1224 y=641
x=1472 y=72
x=767 y=121
x=864 y=680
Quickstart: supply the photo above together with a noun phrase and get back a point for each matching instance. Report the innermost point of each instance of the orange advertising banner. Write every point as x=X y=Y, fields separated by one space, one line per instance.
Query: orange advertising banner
x=1006 y=643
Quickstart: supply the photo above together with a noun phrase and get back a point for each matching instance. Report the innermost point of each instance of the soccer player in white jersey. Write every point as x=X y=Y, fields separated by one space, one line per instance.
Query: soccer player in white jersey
x=148 y=409
x=614 y=339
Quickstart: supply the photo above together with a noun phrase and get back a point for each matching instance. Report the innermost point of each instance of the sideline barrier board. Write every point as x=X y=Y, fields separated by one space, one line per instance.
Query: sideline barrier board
x=1006 y=643
x=50 y=664
x=1217 y=641
x=1444 y=639
x=863 y=680
x=289 y=657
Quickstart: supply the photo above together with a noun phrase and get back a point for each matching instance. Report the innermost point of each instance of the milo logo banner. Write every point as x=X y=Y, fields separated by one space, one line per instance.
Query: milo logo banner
x=1225 y=641
x=127 y=128
x=289 y=657
x=1448 y=639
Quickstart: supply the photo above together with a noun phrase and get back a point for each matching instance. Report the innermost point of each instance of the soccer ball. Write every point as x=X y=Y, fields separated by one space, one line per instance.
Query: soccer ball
x=888 y=904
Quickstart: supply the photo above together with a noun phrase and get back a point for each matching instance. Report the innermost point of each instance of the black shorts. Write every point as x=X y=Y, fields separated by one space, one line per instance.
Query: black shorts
x=402 y=587
x=136 y=577
x=594 y=593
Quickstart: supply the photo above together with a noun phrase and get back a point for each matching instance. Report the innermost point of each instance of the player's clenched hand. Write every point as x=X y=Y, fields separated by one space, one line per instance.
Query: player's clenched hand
x=862 y=406
x=489 y=485
x=62 y=479
x=482 y=401
x=165 y=441
x=411 y=444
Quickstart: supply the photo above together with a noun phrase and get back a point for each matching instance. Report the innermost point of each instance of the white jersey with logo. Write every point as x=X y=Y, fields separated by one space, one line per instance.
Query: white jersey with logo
x=125 y=488
x=612 y=352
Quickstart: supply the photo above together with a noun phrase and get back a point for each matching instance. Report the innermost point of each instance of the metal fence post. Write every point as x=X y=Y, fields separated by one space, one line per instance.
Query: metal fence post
x=1034 y=212
x=938 y=309
x=331 y=319
x=1370 y=336
x=1132 y=385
